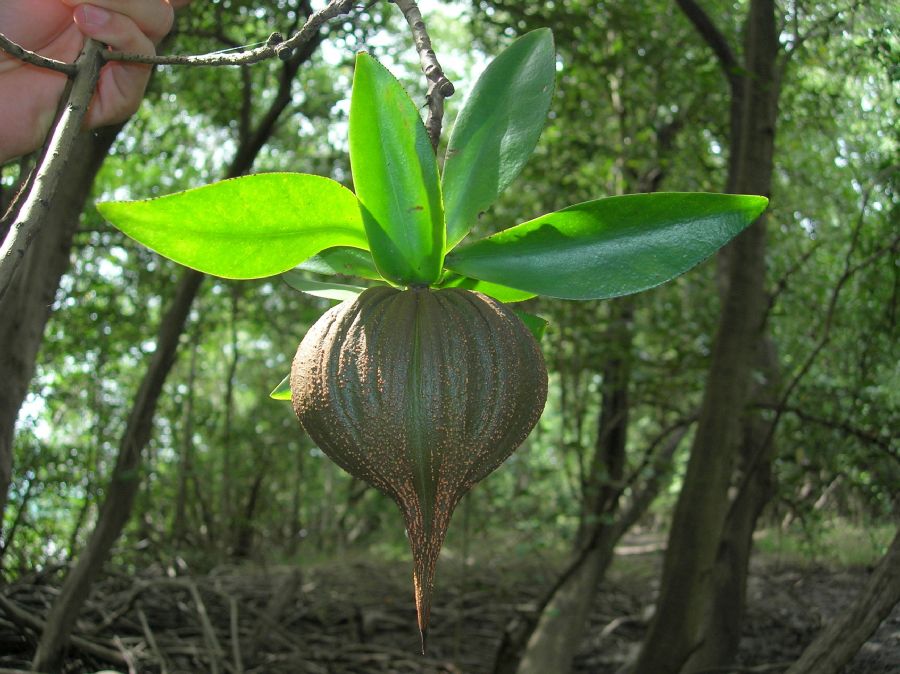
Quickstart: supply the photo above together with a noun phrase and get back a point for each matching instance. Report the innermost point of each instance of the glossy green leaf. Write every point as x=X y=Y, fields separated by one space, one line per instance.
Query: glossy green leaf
x=536 y=324
x=609 y=247
x=395 y=176
x=283 y=390
x=247 y=227
x=497 y=129
x=330 y=291
x=498 y=292
x=344 y=261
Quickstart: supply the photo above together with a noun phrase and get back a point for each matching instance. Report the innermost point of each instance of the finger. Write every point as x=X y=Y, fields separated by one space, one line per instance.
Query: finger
x=121 y=85
x=153 y=17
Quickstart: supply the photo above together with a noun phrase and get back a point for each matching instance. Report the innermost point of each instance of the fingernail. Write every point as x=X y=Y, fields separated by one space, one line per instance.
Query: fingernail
x=92 y=17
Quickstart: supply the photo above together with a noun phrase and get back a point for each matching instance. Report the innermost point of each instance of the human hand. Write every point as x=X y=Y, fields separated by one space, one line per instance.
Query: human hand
x=29 y=95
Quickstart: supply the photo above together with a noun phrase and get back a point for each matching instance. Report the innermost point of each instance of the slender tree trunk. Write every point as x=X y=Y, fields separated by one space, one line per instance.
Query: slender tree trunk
x=186 y=460
x=243 y=540
x=548 y=643
x=688 y=582
x=231 y=517
x=722 y=633
x=27 y=305
x=123 y=486
x=554 y=637
x=844 y=636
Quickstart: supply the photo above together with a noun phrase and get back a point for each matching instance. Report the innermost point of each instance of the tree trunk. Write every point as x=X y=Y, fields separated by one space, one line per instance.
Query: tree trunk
x=678 y=627
x=27 y=305
x=123 y=486
x=841 y=640
x=563 y=619
x=186 y=460
x=722 y=633
x=559 y=629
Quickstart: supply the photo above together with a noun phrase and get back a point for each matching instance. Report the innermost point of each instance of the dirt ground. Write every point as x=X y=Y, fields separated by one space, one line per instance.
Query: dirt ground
x=358 y=617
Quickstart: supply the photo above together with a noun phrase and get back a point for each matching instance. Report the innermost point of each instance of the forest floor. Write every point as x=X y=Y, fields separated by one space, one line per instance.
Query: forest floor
x=356 y=616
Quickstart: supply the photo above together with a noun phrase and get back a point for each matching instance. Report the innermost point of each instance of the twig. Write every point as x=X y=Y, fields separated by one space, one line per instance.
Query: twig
x=37 y=203
x=23 y=617
x=235 y=635
x=276 y=45
x=713 y=37
x=753 y=669
x=439 y=87
x=19 y=52
x=783 y=282
x=850 y=270
x=151 y=641
x=208 y=632
x=128 y=657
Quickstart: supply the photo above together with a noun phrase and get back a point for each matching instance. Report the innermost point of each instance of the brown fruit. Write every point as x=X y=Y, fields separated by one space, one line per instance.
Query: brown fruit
x=421 y=393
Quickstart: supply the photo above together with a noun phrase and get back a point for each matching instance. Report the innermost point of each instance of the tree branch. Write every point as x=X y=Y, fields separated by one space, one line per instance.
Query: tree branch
x=50 y=167
x=274 y=46
x=714 y=38
x=18 y=51
x=439 y=87
x=850 y=270
x=865 y=435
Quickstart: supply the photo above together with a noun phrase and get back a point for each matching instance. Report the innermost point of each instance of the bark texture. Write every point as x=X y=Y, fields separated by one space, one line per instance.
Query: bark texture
x=28 y=302
x=838 y=643
x=678 y=630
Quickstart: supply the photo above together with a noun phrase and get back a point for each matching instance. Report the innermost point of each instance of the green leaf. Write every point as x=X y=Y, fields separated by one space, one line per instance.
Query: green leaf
x=536 y=324
x=609 y=247
x=247 y=227
x=396 y=177
x=345 y=261
x=283 y=390
x=498 y=292
x=497 y=129
x=330 y=291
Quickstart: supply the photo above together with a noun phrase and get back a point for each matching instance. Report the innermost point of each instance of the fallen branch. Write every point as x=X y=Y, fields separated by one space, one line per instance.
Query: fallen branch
x=25 y=619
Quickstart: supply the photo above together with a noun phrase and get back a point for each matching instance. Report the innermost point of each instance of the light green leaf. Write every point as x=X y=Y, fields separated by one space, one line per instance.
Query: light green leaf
x=330 y=291
x=283 y=390
x=395 y=176
x=497 y=129
x=498 y=292
x=243 y=228
x=536 y=324
x=609 y=247
x=345 y=261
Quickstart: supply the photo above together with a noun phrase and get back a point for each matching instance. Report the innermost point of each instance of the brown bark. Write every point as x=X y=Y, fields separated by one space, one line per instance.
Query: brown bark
x=687 y=591
x=722 y=633
x=27 y=305
x=844 y=636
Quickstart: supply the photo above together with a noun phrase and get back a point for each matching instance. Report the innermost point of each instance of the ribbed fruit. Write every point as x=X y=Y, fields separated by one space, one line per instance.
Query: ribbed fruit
x=421 y=393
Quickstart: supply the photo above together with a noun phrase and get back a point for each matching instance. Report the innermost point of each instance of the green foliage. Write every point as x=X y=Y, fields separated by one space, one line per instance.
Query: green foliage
x=598 y=249
x=496 y=130
x=609 y=247
x=329 y=291
x=396 y=177
x=247 y=227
